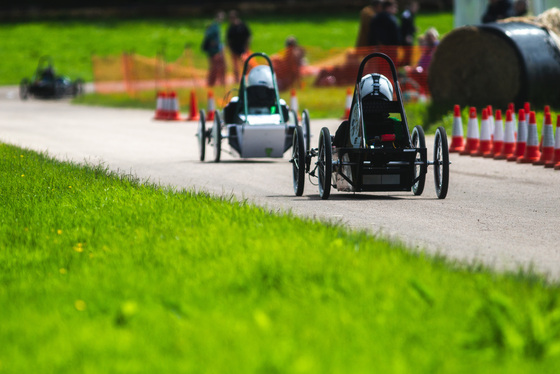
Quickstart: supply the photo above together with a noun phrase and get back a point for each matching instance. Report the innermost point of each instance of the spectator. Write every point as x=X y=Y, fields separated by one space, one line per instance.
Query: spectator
x=366 y=15
x=384 y=28
x=430 y=41
x=238 y=39
x=288 y=66
x=520 y=8
x=408 y=26
x=214 y=49
x=496 y=10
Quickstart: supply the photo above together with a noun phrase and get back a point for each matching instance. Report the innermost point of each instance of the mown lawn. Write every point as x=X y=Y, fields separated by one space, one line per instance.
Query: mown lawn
x=104 y=273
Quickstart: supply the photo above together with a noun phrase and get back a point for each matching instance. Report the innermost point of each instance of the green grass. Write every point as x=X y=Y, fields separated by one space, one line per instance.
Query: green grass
x=103 y=273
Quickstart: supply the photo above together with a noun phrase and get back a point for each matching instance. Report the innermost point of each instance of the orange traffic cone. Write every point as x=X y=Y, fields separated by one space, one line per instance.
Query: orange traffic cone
x=173 y=113
x=498 y=137
x=193 y=113
x=211 y=108
x=556 y=157
x=490 y=111
x=161 y=112
x=294 y=100
x=527 y=108
x=348 y=104
x=485 y=144
x=508 y=147
x=457 y=141
x=521 y=140
x=532 y=152
x=546 y=110
x=547 y=141
x=472 y=134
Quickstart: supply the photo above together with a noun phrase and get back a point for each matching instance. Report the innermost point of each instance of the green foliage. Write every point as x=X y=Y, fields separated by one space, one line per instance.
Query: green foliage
x=101 y=272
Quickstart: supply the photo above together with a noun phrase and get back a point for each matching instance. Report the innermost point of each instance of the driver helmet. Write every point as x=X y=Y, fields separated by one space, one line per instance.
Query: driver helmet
x=261 y=75
x=376 y=85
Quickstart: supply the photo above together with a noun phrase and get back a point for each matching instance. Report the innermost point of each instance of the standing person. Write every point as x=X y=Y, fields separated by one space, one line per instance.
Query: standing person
x=366 y=15
x=214 y=49
x=238 y=39
x=496 y=10
x=384 y=27
x=408 y=30
x=520 y=8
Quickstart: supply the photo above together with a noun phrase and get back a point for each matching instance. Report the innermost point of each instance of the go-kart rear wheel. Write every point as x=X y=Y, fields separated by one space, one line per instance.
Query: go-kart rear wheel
x=441 y=163
x=217 y=137
x=24 y=89
x=201 y=135
x=324 y=163
x=306 y=126
x=418 y=141
x=298 y=161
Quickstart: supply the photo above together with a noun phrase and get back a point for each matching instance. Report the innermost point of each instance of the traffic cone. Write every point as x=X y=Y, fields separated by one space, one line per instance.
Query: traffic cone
x=294 y=100
x=532 y=152
x=521 y=140
x=547 y=141
x=348 y=104
x=556 y=156
x=161 y=112
x=490 y=111
x=472 y=134
x=546 y=110
x=173 y=113
x=527 y=108
x=485 y=144
x=498 y=137
x=509 y=138
x=457 y=141
x=193 y=113
x=211 y=108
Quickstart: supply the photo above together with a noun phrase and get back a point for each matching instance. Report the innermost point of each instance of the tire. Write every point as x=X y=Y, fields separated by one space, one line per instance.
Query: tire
x=441 y=163
x=324 y=163
x=201 y=134
x=418 y=141
x=24 y=89
x=306 y=126
x=298 y=161
x=217 y=137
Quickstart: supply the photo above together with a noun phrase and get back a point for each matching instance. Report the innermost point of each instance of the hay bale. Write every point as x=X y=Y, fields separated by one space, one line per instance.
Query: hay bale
x=499 y=63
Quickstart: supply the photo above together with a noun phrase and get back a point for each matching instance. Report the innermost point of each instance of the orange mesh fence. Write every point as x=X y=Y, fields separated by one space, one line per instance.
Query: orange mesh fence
x=336 y=67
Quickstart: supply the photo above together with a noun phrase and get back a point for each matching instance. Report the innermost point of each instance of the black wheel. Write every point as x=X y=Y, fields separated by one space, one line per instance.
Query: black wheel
x=24 y=89
x=418 y=141
x=298 y=161
x=201 y=134
x=217 y=137
x=306 y=126
x=441 y=163
x=324 y=163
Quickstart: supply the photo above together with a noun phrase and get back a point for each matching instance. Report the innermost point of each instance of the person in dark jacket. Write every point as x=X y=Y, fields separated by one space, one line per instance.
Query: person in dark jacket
x=496 y=10
x=384 y=27
x=238 y=39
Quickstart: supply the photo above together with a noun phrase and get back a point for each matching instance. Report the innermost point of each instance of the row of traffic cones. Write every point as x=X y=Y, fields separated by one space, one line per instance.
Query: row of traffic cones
x=507 y=142
x=167 y=107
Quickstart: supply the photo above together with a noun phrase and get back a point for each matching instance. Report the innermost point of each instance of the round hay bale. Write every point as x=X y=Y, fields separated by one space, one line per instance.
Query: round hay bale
x=497 y=63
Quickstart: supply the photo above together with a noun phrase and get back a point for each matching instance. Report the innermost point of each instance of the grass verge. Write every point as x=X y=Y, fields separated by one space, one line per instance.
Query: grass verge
x=100 y=272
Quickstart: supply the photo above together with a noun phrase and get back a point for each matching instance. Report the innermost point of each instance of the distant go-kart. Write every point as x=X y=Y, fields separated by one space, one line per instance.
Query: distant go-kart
x=373 y=150
x=46 y=84
x=257 y=123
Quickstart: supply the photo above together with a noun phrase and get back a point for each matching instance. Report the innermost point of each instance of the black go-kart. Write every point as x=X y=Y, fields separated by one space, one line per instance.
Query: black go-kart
x=47 y=84
x=372 y=154
x=257 y=123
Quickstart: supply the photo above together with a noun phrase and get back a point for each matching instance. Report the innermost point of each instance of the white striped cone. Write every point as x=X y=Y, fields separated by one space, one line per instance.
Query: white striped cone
x=556 y=157
x=508 y=147
x=294 y=100
x=521 y=140
x=347 y=104
x=485 y=144
x=173 y=114
x=527 y=108
x=532 y=152
x=160 y=106
x=457 y=141
x=547 y=140
x=472 y=134
x=498 y=138
x=491 y=120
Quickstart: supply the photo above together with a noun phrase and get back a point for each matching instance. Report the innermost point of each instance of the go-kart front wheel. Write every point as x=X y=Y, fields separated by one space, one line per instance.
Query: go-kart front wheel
x=441 y=163
x=24 y=89
x=324 y=163
x=217 y=137
x=418 y=141
x=298 y=161
x=201 y=135
x=306 y=127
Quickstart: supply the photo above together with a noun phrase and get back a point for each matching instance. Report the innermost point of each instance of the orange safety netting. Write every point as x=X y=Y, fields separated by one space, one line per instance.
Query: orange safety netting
x=337 y=67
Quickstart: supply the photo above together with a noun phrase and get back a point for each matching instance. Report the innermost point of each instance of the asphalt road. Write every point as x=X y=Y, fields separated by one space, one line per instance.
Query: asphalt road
x=502 y=214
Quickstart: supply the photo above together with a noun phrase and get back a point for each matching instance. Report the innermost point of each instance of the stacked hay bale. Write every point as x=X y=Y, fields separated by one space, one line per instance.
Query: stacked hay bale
x=515 y=60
